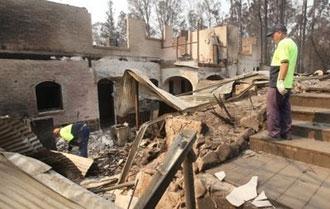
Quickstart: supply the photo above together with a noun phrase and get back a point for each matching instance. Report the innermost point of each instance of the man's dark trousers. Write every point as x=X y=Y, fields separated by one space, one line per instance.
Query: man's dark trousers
x=278 y=114
x=81 y=140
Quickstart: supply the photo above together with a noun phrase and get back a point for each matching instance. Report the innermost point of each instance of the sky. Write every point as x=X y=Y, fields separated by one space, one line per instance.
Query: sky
x=97 y=8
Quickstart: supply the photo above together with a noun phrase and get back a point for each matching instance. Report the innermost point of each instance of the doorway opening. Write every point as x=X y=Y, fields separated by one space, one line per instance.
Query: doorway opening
x=106 y=103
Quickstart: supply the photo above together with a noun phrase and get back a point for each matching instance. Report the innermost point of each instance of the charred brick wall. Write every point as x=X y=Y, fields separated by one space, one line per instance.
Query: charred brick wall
x=19 y=79
x=39 y=25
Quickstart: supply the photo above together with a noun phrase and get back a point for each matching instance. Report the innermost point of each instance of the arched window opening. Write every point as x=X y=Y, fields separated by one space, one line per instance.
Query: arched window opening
x=49 y=96
x=178 y=85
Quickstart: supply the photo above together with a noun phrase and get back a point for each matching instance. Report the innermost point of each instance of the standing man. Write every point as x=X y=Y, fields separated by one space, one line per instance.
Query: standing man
x=280 y=83
x=76 y=134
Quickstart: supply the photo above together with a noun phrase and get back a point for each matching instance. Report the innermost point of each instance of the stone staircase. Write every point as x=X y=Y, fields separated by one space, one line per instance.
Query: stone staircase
x=310 y=128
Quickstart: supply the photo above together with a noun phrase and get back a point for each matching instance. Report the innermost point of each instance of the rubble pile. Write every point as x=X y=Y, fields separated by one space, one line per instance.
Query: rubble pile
x=222 y=133
x=217 y=141
x=311 y=83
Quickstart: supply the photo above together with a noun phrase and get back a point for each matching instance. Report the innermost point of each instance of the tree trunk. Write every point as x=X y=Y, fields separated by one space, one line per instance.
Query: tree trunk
x=261 y=34
x=240 y=26
x=265 y=28
x=282 y=11
x=302 y=37
x=316 y=4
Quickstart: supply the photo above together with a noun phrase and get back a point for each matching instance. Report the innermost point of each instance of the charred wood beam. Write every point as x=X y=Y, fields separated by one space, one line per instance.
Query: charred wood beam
x=118 y=186
x=135 y=146
x=223 y=106
x=176 y=155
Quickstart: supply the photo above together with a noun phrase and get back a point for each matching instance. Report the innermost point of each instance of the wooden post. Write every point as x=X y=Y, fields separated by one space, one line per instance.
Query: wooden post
x=137 y=106
x=198 y=43
x=177 y=47
x=190 y=49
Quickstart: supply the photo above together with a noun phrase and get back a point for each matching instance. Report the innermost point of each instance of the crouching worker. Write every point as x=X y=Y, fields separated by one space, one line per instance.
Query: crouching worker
x=76 y=134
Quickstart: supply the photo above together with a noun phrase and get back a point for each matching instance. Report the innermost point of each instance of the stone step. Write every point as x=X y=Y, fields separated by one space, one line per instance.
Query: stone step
x=321 y=100
x=318 y=89
x=311 y=130
x=301 y=149
x=311 y=114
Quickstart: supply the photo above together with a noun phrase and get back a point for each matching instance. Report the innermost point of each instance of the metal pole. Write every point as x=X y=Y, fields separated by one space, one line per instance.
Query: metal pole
x=188 y=176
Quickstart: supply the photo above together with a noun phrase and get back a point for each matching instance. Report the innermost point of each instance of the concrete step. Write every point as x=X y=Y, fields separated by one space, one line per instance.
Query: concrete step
x=311 y=130
x=311 y=114
x=301 y=149
x=321 y=100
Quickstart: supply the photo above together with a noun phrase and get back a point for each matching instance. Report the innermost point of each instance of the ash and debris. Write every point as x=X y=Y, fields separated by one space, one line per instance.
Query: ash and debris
x=109 y=158
x=217 y=141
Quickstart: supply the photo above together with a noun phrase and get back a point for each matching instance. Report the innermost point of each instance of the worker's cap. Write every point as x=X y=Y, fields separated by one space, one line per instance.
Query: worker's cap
x=277 y=28
x=56 y=131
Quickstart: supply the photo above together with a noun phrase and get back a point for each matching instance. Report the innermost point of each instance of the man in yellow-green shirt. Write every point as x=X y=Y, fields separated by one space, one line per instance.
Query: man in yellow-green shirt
x=76 y=134
x=280 y=83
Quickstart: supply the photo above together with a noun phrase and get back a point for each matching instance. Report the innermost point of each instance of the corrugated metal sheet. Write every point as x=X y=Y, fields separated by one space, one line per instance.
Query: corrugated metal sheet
x=71 y=166
x=15 y=136
x=82 y=163
x=128 y=88
x=19 y=190
x=28 y=183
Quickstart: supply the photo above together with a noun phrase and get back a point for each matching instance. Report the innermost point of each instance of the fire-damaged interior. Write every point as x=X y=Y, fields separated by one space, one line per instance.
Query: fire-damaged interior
x=169 y=123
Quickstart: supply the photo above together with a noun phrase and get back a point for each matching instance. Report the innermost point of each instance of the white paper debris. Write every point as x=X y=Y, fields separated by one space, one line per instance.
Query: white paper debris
x=261 y=196
x=243 y=193
x=220 y=175
x=261 y=201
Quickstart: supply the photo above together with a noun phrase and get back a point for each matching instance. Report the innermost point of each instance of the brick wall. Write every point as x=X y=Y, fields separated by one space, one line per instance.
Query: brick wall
x=19 y=78
x=42 y=26
x=139 y=45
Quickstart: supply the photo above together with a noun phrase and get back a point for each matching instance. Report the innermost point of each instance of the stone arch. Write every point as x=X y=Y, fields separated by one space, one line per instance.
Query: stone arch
x=184 y=72
x=178 y=85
